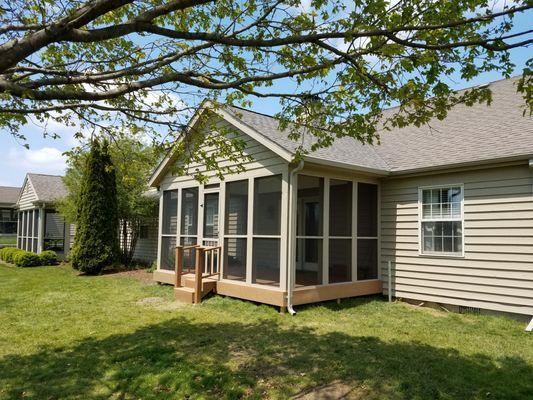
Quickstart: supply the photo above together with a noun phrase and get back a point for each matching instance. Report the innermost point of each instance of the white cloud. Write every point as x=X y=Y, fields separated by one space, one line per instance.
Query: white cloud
x=46 y=160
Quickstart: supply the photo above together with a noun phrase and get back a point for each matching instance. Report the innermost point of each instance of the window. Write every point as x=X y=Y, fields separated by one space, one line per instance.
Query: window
x=143 y=232
x=441 y=220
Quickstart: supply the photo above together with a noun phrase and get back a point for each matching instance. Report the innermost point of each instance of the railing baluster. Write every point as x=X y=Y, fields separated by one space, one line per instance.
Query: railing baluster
x=178 y=266
x=198 y=275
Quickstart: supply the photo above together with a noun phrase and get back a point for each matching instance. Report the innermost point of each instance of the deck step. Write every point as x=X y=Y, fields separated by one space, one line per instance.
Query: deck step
x=184 y=294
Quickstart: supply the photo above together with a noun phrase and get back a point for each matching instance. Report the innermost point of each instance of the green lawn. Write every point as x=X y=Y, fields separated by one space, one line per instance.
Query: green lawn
x=64 y=336
x=8 y=239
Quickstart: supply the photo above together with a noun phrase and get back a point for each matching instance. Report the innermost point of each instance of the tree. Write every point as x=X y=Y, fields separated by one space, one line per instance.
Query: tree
x=96 y=243
x=133 y=163
x=118 y=65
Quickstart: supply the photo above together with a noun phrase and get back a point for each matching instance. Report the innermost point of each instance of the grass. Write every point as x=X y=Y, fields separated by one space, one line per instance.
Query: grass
x=73 y=337
x=12 y=240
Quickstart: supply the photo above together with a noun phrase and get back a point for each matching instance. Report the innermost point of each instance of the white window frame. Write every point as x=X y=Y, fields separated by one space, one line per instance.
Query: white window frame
x=421 y=219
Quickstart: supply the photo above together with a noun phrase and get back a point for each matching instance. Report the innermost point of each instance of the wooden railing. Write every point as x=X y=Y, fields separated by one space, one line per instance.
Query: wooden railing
x=201 y=266
x=178 y=267
x=206 y=265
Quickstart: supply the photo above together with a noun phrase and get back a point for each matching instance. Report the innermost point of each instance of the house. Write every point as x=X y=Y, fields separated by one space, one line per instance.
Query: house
x=40 y=226
x=451 y=209
x=8 y=214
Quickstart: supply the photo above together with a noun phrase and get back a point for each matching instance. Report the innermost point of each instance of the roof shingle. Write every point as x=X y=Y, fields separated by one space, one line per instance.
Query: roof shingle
x=9 y=194
x=468 y=135
x=48 y=188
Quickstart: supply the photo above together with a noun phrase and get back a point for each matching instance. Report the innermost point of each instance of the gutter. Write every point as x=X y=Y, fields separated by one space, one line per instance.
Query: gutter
x=291 y=243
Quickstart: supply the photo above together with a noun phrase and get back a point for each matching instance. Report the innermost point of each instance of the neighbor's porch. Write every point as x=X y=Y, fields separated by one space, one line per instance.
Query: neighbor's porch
x=243 y=234
x=42 y=228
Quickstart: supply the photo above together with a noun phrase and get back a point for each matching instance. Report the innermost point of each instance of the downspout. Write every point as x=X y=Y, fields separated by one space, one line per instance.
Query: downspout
x=291 y=242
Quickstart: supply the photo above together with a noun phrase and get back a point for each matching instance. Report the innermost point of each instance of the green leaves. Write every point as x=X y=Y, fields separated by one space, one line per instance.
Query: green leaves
x=356 y=58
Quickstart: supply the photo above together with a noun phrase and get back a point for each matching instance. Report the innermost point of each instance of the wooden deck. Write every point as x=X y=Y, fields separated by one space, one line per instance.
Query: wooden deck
x=191 y=286
x=268 y=294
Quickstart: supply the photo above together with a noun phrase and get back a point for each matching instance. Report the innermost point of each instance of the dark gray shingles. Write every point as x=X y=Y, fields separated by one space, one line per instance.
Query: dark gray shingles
x=467 y=135
x=48 y=188
x=345 y=150
x=9 y=194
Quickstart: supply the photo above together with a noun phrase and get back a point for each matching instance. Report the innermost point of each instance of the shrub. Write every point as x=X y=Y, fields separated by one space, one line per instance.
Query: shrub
x=96 y=241
x=7 y=254
x=26 y=259
x=48 y=257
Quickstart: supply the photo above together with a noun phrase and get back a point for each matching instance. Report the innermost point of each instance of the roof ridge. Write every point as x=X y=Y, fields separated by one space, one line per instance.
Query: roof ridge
x=39 y=174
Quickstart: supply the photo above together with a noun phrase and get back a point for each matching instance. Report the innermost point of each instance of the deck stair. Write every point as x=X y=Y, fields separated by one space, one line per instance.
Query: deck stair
x=191 y=286
x=186 y=292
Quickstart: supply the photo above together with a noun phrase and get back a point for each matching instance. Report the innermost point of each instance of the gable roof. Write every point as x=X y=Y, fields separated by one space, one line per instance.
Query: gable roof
x=46 y=188
x=9 y=195
x=344 y=150
x=468 y=135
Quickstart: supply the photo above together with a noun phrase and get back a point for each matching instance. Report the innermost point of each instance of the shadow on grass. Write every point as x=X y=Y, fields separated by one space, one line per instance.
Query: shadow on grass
x=182 y=359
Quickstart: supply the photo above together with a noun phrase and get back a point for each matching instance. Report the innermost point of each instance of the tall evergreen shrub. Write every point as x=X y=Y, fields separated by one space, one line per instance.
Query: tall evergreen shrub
x=96 y=241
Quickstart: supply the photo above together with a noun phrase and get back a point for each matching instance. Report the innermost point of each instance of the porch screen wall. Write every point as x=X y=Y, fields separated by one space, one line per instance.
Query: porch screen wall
x=27 y=231
x=54 y=231
x=367 y=231
x=189 y=224
x=169 y=225
x=267 y=230
x=235 y=230
x=309 y=230
x=340 y=231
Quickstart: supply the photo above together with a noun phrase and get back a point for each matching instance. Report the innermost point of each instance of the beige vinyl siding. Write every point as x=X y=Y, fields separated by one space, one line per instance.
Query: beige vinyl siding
x=263 y=159
x=27 y=197
x=146 y=248
x=496 y=271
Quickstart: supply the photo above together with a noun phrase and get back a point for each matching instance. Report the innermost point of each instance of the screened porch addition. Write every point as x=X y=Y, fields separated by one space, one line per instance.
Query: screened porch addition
x=239 y=230
x=41 y=229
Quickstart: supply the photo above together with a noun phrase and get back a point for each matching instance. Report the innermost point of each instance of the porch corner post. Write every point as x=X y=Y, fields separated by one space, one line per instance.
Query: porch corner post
x=40 y=231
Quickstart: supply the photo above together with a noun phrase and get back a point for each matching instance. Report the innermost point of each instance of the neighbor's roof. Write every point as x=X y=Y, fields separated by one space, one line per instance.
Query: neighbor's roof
x=9 y=195
x=48 y=188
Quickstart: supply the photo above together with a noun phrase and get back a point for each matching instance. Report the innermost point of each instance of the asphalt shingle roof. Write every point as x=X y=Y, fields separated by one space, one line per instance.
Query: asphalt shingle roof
x=48 y=188
x=468 y=135
x=9 y=195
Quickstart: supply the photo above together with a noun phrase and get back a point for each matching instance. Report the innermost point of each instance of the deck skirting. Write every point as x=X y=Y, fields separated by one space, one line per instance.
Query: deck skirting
x=277 y=297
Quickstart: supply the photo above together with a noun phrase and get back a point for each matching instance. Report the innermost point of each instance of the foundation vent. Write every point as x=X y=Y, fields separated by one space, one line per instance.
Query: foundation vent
x=469 y=310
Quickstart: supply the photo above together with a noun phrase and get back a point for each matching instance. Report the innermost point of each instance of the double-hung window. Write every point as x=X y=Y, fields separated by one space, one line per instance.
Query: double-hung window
x=441 y=220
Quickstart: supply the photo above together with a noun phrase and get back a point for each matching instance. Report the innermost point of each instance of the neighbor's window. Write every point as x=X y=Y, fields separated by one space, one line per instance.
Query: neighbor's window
x=442 y=220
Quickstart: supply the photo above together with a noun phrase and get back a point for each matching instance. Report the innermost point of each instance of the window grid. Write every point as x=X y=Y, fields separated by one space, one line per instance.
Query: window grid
x=441 y=220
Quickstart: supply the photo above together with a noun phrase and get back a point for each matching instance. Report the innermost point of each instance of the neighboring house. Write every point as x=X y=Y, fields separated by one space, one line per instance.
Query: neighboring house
x=8 y=213
x=40 y=226
x=450 y=207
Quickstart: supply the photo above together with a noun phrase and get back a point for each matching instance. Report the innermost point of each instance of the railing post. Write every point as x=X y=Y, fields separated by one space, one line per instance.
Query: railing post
x=198 y=275
x=178 y=267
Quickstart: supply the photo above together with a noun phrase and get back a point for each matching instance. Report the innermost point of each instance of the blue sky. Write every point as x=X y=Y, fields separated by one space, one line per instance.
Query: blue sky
x=45 y=154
